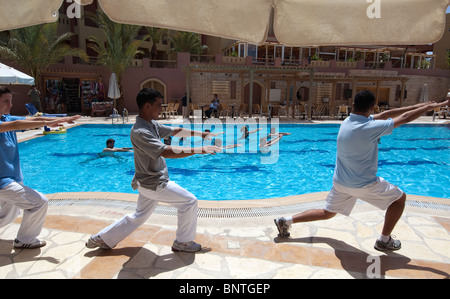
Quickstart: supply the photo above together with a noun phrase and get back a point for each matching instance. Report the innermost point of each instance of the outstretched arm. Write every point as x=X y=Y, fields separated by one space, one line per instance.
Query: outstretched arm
x=413 y=114
x=180 y=132
x=31 y=123
x=398 y=111
x=172 y=151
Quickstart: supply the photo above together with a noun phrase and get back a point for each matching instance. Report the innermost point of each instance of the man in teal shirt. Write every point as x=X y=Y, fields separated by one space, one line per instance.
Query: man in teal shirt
x=355 y=174
x=14 y=195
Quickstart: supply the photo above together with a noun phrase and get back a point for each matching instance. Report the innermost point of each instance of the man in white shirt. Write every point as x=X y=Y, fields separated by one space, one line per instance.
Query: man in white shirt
x=355 y=174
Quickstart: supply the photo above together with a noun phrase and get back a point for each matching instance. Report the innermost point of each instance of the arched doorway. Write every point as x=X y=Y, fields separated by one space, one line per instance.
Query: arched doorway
x=157 y=85
x=257 y=93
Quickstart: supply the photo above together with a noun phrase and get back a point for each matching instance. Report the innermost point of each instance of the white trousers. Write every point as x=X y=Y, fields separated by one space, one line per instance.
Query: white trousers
x=17 y=196
x=185 y=111
x=173 y=194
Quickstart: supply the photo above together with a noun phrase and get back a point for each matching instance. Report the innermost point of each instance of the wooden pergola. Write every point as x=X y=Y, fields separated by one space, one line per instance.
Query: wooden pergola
x=290 y=75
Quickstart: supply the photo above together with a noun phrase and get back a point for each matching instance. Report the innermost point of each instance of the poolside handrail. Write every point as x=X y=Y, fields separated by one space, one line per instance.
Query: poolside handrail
x=125 y=113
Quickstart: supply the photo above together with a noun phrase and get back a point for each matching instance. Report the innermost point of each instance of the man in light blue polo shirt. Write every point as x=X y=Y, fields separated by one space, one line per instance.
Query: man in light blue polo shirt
x=14 y=195
x=355 y=174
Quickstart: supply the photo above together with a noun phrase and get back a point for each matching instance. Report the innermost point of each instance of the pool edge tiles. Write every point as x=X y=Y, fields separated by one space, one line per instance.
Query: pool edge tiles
x=268 y=202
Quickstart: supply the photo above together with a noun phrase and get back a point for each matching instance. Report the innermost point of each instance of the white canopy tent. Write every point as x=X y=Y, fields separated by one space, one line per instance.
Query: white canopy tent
x=9 y=75
x=295 y=22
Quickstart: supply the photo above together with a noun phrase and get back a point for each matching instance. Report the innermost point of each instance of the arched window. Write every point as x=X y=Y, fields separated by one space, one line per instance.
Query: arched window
x=156 y=84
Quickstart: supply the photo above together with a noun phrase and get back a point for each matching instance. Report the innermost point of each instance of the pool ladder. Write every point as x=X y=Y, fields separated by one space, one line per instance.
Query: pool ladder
x=124 y=114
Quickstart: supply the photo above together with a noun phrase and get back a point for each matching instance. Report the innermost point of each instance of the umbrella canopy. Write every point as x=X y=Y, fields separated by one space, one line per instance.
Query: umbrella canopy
x=424 y=97
x=9 y=75
x=295 y=22
x=113 y=89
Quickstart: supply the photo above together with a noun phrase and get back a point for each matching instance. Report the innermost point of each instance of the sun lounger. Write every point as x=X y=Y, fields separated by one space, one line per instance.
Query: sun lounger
x=34 y=112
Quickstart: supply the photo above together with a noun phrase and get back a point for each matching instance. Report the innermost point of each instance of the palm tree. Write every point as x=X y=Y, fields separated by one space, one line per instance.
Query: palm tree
x=37 y=47
x=120 y=48
x=155 y=35
x=187 y=42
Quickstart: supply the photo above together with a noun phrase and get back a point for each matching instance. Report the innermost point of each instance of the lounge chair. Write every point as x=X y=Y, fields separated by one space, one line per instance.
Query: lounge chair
x=264 y=111
x=440 y=111
x=224 y=110
x=319 y=111
x=256 y=109
x=243 y=110
x=167 y=110
x=376 y=109
x=343 y=111
x=300 y=110
x=283 y=110
x=34 y=112
x=174 y=110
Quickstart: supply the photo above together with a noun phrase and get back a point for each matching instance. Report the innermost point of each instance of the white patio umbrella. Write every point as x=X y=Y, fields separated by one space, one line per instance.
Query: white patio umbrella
x=295 y=22
x=113 y=88
x=424 y=96
x=9 y=75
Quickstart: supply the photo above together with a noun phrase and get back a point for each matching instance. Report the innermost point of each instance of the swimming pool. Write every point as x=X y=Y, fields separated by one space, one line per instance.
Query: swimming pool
x=415 y=157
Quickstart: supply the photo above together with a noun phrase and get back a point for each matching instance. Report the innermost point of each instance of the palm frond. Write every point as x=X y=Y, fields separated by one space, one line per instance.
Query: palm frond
x=120 y=46
x=37 y=47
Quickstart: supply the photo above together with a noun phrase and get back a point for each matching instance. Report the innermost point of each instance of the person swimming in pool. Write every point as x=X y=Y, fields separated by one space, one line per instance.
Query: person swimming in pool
x=219 y=143
x=246 y=133
x=110 y=147
x=271 y=139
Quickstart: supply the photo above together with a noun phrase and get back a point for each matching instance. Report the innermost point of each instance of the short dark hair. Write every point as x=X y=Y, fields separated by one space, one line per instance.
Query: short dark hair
x=364 y=100
x=110 y=140
x=147 y=95
x=4 y=90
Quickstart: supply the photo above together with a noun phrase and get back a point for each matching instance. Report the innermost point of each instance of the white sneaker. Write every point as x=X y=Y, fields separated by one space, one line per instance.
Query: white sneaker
x=186 y=246
x=97 y=241
x=33 y=245
x=283 y=228
x=391 y=244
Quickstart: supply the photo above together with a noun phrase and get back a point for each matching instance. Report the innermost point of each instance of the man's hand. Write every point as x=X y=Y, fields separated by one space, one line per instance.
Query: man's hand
x=416 y=113
x=433 y=105
x=209 y=135
x=210 y=149
x=58 y=122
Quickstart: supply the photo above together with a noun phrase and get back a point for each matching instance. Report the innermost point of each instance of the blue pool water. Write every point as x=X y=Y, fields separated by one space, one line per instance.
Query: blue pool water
x=415 y=157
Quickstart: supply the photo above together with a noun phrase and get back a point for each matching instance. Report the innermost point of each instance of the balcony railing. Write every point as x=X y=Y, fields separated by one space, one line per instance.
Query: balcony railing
x=203 y=58
x=234 y=60
x=347 y=64
x=211 y=59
